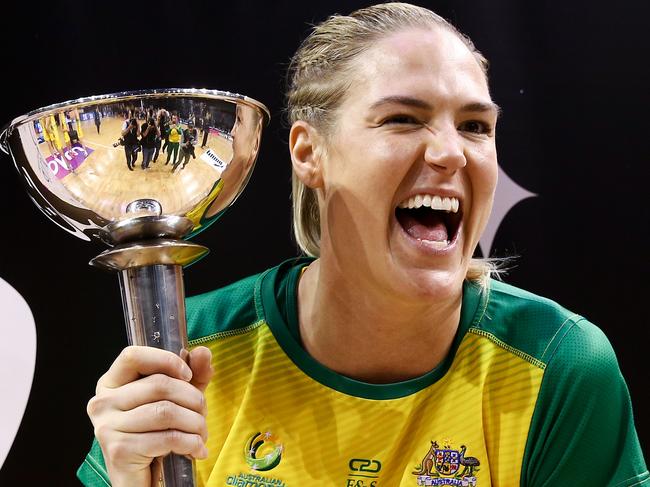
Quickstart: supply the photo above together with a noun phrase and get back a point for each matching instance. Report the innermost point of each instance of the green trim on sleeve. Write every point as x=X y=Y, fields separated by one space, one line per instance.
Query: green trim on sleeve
x=222 y=311
x=531 y=324
x=582 y=431
x=500 y=343
x=92 y=472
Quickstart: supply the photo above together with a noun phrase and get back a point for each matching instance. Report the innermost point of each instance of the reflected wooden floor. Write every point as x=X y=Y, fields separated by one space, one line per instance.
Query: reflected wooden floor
x=104 y=183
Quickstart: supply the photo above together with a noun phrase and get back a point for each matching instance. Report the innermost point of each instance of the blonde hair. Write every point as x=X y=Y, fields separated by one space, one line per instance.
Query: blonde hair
x=318 y=79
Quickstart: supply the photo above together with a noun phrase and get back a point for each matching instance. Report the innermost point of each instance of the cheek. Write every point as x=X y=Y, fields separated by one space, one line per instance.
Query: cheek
x=369 y=169
x=490 y=175
x=482 y=170
x=361 y=180
x=483 y=173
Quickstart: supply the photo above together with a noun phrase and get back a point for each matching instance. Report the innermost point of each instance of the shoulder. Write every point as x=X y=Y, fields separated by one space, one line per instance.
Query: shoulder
x=539 y=327
x=238 y=306
x=582 y=429
x=222 y=310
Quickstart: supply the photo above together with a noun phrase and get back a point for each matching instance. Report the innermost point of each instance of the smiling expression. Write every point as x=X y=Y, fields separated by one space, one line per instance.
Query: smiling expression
x=414 y=130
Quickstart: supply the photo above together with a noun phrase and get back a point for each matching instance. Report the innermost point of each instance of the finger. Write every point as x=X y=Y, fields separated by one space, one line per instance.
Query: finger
x=156 y=472
x=157 y=444
x=200 y=361
x=135 y=362
x=154 y=388
x=161 y=416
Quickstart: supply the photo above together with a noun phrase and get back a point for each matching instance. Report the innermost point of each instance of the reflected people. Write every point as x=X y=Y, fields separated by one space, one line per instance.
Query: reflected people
x=150 y=139
x=129 y=139
x=174 y=134
x=188 y=143
x=97 y=117
x=69 y=143
x=163 y=127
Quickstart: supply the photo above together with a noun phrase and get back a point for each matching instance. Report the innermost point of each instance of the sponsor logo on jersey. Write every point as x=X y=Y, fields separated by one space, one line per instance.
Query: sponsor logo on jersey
x=262 y=452
x=447 y=466
x=363 y=473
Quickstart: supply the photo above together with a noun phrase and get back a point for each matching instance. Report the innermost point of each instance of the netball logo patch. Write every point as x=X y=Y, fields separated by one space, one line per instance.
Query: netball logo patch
x=262 y=452
x=447 y=467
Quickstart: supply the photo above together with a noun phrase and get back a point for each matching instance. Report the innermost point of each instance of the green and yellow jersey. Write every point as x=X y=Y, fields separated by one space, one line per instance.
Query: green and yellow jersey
x=175 y=133
x=530 y=394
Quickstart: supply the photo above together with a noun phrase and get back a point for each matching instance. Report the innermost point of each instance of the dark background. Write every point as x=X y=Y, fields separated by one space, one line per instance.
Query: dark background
x=572 y=78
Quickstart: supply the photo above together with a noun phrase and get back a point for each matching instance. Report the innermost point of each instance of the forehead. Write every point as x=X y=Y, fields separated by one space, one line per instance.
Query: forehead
x=431 y=63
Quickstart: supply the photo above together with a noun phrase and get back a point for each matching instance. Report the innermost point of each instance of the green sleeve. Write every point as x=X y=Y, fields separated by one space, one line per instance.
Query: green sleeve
x=92 y=471
x=582 y=431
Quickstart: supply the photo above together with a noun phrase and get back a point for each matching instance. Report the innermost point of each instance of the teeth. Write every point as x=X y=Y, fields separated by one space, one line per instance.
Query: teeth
x=439 y=245
x=434 y=202
x=446 y=202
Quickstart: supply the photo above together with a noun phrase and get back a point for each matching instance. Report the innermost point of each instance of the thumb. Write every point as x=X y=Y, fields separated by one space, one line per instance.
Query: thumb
x=199 y=361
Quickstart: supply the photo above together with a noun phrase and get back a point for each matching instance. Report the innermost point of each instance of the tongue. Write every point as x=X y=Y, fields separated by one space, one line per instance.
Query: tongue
x=425 y=226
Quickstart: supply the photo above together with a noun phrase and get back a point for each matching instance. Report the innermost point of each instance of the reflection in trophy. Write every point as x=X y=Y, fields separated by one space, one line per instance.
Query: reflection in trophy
x=143 y=185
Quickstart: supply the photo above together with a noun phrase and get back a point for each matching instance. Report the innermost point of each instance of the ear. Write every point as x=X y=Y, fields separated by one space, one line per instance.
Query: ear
x=305 y=146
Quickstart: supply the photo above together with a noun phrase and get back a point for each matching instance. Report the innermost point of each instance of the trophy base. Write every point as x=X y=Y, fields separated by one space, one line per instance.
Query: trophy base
x=139 y=227
x=149 y=252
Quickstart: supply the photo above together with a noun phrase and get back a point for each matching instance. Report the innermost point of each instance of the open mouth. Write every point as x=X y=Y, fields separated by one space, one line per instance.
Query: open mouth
x=430 y=218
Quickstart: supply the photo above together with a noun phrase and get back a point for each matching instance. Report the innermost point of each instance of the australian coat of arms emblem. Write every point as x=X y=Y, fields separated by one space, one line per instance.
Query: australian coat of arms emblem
x=447 y=467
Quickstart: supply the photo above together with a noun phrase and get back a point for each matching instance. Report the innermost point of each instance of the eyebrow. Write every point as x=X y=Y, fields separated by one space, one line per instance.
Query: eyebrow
x=401 y=100
x=477 y=106
x=480 y=106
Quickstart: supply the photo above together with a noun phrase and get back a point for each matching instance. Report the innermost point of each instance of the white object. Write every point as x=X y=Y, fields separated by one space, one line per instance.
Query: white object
x=17 y=360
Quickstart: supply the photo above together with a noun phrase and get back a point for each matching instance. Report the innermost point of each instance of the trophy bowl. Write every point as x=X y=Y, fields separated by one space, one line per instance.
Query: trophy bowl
x=142 y=171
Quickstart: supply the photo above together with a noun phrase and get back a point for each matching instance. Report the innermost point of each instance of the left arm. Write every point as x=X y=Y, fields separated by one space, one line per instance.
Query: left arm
x=582 y=431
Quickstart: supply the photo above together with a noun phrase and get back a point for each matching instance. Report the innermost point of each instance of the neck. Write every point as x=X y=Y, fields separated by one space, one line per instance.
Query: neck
x=365 y=334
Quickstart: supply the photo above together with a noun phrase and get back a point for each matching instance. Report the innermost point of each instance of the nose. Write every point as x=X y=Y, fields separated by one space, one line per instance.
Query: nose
x=444 y=150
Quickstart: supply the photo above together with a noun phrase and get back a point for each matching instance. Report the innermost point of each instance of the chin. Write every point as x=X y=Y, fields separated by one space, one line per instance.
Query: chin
x=432 y=285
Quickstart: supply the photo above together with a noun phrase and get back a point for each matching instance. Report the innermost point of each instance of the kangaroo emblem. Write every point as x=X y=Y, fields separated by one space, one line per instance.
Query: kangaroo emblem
x=428 y=461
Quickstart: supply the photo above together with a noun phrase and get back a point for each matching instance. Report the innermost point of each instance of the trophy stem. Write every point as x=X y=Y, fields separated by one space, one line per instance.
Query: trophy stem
x=154 y=310
x=153 y=297
x=154 y=307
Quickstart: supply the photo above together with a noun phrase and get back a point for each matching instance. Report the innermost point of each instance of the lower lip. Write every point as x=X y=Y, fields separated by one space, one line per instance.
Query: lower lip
x=429 y=247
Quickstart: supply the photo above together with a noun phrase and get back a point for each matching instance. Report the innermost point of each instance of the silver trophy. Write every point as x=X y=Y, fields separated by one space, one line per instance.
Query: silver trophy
x=143 y=172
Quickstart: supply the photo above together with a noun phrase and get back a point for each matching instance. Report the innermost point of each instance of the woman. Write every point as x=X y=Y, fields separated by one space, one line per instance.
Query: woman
x=174 y=133
x=130 y=133
x=392 y=359
x=97 y=117
x=188 y=142
x=150 y=137
x=163 y=127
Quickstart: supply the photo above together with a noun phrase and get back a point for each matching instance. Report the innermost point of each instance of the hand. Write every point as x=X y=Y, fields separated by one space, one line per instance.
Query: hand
x=148 y=404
